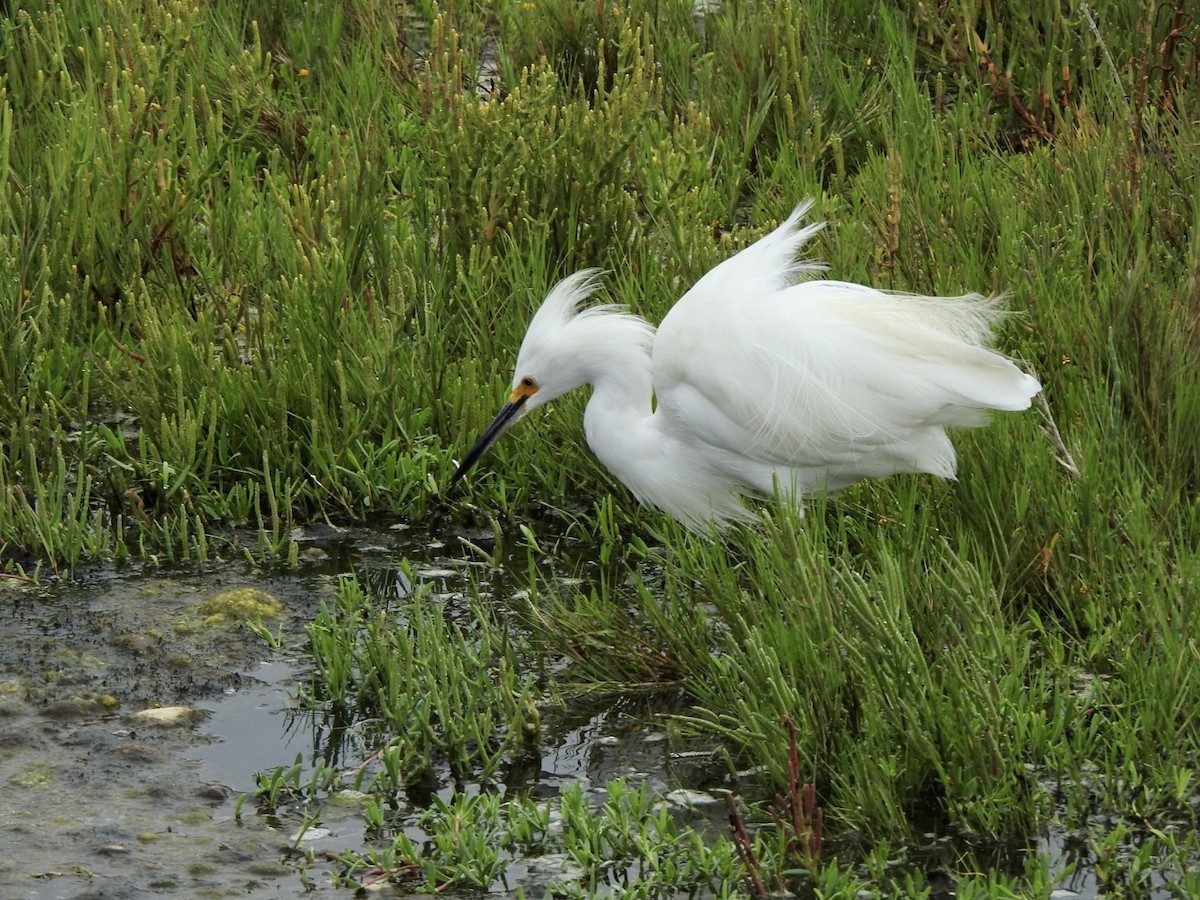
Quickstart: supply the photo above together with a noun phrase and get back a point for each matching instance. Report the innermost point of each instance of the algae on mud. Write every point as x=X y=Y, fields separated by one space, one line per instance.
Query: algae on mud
x=106 y=708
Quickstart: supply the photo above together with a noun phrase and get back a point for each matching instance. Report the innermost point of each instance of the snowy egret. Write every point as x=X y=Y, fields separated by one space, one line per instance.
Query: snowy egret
x=763 y=378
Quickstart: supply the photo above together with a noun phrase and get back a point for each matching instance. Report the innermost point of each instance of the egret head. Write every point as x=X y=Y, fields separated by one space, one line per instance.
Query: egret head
x=552 y=360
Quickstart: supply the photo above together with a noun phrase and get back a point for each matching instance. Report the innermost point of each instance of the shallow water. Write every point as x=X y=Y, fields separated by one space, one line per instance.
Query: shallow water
x=101 y=803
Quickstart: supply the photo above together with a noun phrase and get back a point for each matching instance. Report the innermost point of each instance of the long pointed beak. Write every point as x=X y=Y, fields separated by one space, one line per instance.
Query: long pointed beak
x=509 y=414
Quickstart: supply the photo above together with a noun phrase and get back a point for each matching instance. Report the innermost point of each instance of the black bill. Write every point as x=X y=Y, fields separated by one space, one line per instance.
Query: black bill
x=509 y=414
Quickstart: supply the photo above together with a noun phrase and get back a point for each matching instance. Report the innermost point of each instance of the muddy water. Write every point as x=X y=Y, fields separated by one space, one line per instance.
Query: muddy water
x=100 y=799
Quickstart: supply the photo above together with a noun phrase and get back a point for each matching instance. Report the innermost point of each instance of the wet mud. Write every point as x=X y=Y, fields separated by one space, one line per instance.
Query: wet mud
x=128 y=724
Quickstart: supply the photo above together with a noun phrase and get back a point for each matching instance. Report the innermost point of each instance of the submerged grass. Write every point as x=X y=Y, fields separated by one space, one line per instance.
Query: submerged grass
x=258 y=268
x=453 y=700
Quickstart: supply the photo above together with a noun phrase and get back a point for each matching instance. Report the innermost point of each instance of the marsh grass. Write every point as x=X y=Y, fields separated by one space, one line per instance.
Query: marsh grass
x=262 y=268
x=258 y=268
x=452 y=699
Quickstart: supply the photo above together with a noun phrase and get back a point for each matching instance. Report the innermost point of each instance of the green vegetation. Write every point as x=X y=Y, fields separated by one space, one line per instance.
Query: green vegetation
x=868 y=676
x=261 y=268
x=264 y=263
x=443 y=693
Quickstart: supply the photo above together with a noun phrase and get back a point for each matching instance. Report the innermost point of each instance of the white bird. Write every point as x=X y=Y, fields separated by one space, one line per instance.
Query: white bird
x=764 y=379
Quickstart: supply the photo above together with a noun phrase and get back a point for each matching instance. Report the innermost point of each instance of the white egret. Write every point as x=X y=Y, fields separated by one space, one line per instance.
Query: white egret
x=763 y=378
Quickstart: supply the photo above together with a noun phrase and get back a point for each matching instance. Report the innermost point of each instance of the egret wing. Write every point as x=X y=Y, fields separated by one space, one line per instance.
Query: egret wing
x=824 y=375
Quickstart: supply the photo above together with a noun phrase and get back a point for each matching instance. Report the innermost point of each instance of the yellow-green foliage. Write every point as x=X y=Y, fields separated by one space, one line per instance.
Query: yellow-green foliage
x=262 y=264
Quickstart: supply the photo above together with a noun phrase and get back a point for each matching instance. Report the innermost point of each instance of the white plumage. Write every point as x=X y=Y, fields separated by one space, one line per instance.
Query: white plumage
x=766 y=379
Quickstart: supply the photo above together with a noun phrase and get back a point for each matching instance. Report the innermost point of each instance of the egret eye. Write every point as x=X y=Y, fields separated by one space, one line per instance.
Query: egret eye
x=529 y=382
